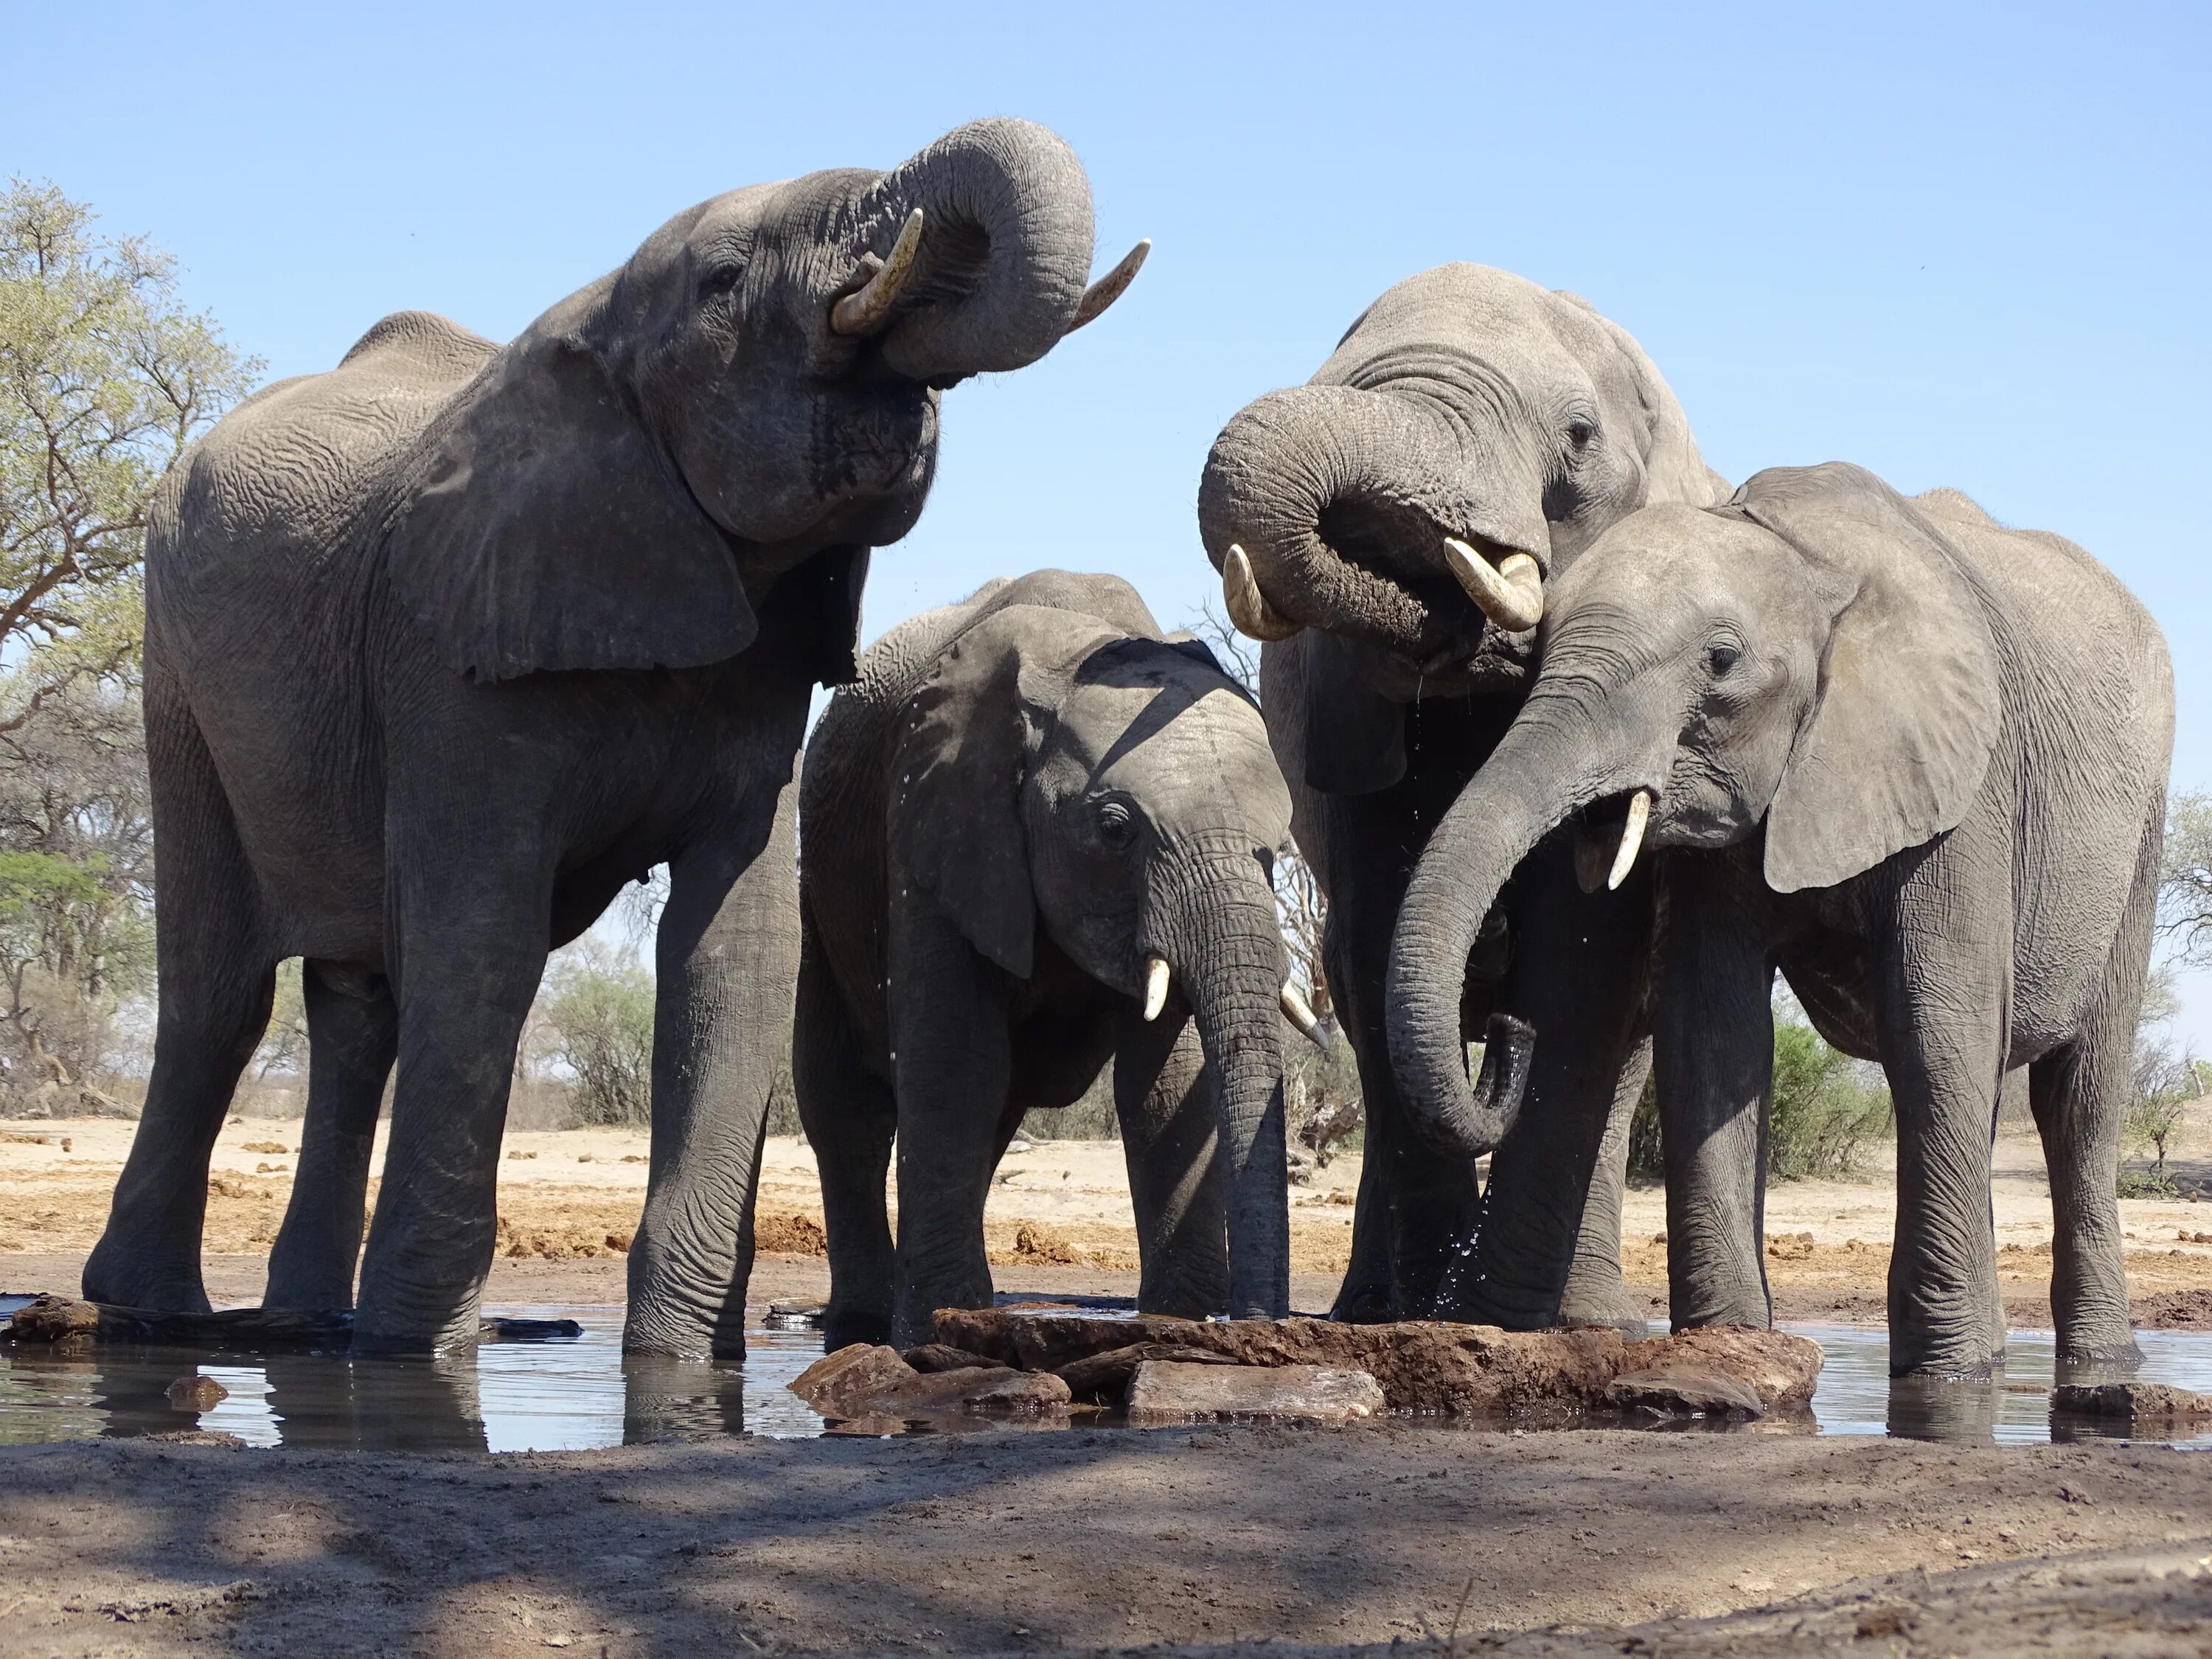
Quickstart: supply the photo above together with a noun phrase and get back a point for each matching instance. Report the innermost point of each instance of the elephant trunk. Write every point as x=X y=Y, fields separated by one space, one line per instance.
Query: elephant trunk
x=1341 y=499
x=1547 y=769
x=1225 y=947
x=1006 y=244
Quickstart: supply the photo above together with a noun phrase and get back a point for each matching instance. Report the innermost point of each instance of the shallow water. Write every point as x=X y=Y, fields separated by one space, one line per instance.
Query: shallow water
x=584 y=1392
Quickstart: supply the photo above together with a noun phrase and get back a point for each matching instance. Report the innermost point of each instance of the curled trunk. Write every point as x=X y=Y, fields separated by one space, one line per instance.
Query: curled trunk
x=1539 y=776
x=1006 y=249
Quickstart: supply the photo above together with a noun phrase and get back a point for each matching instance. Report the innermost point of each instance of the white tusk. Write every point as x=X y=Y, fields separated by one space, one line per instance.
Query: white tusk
x=1632 y=837
x=863 y=311
x=1299 y=1014
x=1155 y=987
x=1248 y=606
x=1111 y=287
x=1512 y=594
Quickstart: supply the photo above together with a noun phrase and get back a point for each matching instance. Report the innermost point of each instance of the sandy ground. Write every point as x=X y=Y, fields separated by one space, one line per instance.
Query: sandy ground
x=1209 y=1542
x=572 y=1196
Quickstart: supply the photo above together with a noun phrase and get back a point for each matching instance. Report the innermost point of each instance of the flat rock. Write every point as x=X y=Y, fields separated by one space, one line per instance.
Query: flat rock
x=2143 y=1399
x=1104 y=1378
x=970 y=1390
x=54 y=1319
x=1683 y=1388
x=941 y=1357
x=841 y=1384
x=1460 y=1370
x=1175 y=1391
x=1783 y=1370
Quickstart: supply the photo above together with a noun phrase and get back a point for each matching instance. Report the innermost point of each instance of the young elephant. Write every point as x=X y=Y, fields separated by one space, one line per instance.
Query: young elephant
x=1916 y=759
x=1038 y=836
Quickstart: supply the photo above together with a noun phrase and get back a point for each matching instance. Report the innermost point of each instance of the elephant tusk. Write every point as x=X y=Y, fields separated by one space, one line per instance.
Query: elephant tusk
x=1248 y=606
x=1511 y=593
x=1155 y=987
x=1296 y=1010
x=1111 y=287
x=1632 y=837
x=864 y=312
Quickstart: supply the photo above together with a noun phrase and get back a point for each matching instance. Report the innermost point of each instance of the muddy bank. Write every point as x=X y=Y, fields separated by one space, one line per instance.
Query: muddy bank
x=1005 y=1541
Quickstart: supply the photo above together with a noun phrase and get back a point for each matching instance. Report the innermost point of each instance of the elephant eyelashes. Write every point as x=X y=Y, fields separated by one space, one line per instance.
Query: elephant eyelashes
x=1117 y=826
x=1722 y=658
x=721 y=280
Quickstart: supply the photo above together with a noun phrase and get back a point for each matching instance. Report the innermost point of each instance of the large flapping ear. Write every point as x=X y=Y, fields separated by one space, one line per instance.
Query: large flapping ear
x=966 y=739
x=548 y=530
x=1907 y=713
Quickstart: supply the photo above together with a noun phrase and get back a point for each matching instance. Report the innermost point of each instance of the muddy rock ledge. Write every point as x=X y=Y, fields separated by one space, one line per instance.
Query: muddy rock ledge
x=1419 y=1367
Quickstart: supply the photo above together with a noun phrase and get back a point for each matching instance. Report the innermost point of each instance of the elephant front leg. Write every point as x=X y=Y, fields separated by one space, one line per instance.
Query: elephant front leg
x=1713 y=1055
x=353 y=1033
x=728 y=960
x=1170 y=1135
x=952 y=1061
x=1596 y=1293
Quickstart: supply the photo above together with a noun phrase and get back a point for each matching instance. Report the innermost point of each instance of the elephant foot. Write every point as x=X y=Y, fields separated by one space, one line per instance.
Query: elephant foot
x=1610 y=1304
x=158 y=1281
x=1957 y=1361
x=2091 y=1360
x=295 y=1290
x=680 y=1331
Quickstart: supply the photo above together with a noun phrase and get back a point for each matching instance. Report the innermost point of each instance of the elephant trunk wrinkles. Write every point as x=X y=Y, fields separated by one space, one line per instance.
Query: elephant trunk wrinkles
x=1300 y=468
x=1006 y=249
x=1226 y=948
x=1545 y=769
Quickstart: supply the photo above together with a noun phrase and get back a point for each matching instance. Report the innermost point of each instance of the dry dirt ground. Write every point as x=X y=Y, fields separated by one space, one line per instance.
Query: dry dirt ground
x=1211 y=1541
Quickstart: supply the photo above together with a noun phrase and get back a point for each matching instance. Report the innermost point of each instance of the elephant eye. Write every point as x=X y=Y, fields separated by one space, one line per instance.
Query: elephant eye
x=1117 y=825
x=1721 y=658
x=721 y=280
x=1580 y=433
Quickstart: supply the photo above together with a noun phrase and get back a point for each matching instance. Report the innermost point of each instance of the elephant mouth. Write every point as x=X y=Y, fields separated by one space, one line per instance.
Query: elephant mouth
x=1403 y=543
x=1601 y=834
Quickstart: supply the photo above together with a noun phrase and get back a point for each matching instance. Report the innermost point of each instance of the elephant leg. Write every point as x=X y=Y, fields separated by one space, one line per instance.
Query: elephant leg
x=353 y=1034
x=1941 y=1013
x=468 y=945
x=728 y=955
x=954 y=1061
x=1170 y=1133
x=851 y=1116
x=2079 y=1095
x=217 y=978
x=1596 y=1293
x=1712 y=1052
x=1578 y=975
x=1417 y=1213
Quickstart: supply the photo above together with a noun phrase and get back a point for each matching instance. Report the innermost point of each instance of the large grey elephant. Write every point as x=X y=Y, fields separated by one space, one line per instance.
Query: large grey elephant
x=1913 y=758
x=1388 y=528
x=1038 y=837
x=448 y=644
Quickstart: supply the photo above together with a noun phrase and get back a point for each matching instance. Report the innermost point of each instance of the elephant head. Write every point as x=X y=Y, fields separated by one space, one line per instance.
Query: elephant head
x=1117 y=793
x=1470 y=435
x=620 y=486
x=1811 y=657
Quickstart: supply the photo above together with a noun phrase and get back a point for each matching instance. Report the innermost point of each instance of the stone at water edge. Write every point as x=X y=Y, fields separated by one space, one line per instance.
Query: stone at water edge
x=1172 y=1391
x=1779 y=1367
x=938 y=1356
x=2136 y=1400
x=1103 y=1378
x=841 y=1384
x=48 y=1318
x=1683 y=1388
x=196 y=1394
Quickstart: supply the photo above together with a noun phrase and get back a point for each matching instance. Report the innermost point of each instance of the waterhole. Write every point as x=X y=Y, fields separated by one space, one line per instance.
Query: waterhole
x=584 y=1392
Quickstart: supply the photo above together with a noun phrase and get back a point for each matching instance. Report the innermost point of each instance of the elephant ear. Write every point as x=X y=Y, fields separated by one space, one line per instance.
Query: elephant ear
x=1907 y=712
x=1355 y=736
x=965 y=741
x=547 y=530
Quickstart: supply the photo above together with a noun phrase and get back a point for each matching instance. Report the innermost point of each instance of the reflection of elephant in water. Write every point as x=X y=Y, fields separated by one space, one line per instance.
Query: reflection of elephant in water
x=446 y=645
x=1468 y=405
x=1031 y=826
x=1916 y=759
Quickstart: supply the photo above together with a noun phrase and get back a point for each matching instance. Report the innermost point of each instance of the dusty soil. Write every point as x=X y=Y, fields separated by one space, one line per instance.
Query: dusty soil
x=1060 y=1219
x=1001 y=1540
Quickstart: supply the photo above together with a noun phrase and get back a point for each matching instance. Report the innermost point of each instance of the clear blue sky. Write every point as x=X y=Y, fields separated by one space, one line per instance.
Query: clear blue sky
x=1962 y=246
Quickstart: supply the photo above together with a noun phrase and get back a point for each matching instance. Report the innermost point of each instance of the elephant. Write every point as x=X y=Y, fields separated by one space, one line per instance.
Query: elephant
x=1386 y=529
x=446 y=645
x=1036 y=834
x=1913 y=759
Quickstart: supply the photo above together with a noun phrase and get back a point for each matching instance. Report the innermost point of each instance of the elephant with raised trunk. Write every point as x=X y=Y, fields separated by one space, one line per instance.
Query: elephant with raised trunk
x=1038 y=837
x=1915 y=760
x=445 y=646
x=1389 y=528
